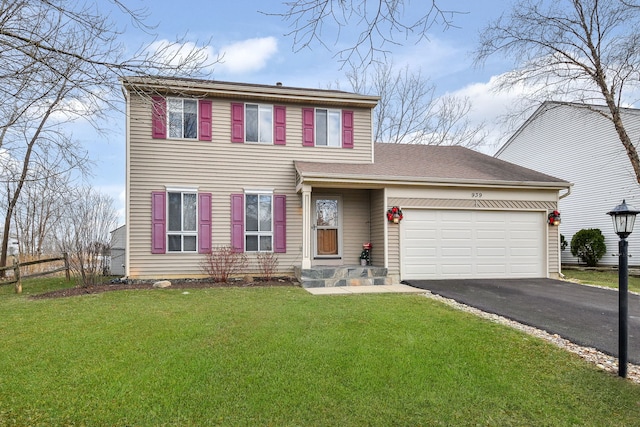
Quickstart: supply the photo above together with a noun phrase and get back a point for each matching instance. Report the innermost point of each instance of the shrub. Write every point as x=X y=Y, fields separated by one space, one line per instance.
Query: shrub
x=222 y=262
x=268 y=263
x=588 y=245
x=563 y=243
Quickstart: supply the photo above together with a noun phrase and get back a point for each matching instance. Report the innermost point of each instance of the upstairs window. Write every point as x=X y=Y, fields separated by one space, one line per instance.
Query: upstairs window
x=328 y=128
x=183 y=118
x=258 y=123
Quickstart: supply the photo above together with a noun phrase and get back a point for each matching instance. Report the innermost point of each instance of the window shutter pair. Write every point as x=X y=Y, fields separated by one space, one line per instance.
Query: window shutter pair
x=308 y=128
x=279 y=223
x=159 y=222
x=159 y=118
x=279 y=124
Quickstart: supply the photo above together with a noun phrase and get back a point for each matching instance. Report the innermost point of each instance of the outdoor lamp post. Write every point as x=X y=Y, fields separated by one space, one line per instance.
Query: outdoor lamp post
x=623 y=217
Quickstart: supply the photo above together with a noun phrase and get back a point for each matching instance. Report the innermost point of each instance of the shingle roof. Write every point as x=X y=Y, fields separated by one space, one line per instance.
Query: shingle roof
x=428 y=163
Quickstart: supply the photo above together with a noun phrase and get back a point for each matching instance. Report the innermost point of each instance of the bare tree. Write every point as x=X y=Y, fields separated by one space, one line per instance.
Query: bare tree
x=84 y=234
x=409 y=111
x=38 y=213
x=583 y=51
x=378 y=25
x=59 y=61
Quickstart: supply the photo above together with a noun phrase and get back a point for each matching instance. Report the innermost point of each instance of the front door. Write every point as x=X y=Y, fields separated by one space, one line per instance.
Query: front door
x=327 y=228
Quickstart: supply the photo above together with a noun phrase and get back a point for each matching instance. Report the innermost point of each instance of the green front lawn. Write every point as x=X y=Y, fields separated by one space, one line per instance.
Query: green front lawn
x=280 y=356
x=607 y=278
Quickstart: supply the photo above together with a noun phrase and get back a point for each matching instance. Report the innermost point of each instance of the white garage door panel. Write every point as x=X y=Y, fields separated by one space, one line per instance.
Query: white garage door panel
x=488 y=252
x=441 y=244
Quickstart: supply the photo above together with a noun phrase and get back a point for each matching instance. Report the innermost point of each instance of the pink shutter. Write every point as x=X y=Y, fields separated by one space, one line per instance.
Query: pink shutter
x=204 y=223
x=158 y=220
x=206 y=120
x=237 y=122
x=280 y=125
x=347 y=129
x=280 y=223
x=158 y=117
x=237 y=222
x=307 y=127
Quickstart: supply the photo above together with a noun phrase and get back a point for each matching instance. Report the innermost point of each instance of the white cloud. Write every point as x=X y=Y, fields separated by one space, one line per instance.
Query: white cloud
x=492 y=107
x=240 y=57
x=247 y=55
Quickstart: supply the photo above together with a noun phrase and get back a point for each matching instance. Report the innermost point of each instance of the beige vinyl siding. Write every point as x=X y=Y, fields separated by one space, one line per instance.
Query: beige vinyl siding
x=221 y=168
x=394 y=249
x=357 y=222
x=553 y=242
x=378 y=218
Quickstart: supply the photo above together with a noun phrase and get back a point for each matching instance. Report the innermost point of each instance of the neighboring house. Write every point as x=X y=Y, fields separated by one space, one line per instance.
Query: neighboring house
x=117 y=245
x=580 y=145
x=295 y=171
x=13 y=247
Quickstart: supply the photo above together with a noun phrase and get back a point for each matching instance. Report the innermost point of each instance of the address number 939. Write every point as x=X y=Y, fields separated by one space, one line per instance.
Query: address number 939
x=476 y=195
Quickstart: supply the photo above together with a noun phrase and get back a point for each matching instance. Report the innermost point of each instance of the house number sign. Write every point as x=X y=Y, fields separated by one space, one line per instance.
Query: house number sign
x=476 y=195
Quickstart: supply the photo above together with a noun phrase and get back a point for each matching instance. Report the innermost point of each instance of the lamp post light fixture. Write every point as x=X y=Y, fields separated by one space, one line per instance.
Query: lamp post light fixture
x=624 y=217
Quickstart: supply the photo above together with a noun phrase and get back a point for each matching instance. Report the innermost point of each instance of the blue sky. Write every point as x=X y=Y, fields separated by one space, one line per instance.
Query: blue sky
x=257 y=50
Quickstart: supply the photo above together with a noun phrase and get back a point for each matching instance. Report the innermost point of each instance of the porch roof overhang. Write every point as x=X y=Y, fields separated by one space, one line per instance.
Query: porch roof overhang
x=420 y=165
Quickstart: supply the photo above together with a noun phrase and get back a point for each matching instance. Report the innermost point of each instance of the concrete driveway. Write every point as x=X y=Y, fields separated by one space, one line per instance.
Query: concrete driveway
x=585 y=315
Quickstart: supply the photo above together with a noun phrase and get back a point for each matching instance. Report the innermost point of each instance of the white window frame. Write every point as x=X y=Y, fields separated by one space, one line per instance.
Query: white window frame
x=182 y=232
x=331 y=142
x=264 y=131
x=181 y=112
x=258 y=233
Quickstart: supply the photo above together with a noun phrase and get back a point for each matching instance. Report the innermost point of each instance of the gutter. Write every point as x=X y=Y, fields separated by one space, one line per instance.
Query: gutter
x=567 y=193
x=386 y=180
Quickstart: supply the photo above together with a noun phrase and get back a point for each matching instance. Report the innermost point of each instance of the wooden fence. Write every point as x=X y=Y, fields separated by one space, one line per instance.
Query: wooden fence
x=17 y=277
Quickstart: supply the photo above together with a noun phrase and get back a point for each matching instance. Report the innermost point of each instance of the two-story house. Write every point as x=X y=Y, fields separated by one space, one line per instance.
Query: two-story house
x=296 y=171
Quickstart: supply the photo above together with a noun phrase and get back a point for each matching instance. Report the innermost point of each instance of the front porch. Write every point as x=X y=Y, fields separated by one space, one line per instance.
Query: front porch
x=333 y=276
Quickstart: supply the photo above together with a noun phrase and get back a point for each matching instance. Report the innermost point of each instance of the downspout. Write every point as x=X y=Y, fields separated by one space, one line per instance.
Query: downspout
x=559 y=249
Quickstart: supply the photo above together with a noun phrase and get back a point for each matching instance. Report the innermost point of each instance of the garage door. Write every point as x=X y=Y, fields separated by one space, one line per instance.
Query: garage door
x=443 y=244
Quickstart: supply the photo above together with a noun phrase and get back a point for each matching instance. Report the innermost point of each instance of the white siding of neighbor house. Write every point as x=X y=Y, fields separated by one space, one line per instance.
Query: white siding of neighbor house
x=118 y=237
x=118 y=243
x=582 y=147
x=222 y=168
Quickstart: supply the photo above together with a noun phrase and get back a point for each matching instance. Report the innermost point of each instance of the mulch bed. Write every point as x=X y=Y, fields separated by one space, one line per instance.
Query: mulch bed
x=175 y=284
